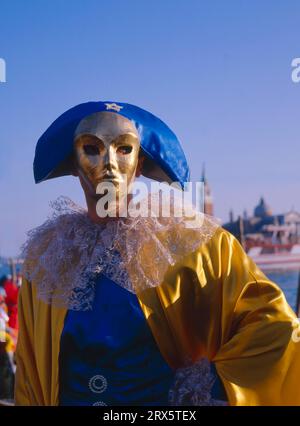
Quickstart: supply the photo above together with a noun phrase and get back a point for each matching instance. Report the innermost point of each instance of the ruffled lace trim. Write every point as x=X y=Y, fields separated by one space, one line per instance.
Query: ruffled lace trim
x=193 y=386
x=65 y=255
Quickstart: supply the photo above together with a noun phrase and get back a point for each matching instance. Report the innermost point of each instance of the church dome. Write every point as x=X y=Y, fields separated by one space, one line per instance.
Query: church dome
x=262 y=209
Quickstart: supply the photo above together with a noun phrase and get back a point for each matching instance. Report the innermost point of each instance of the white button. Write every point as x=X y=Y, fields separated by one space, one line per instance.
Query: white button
x=98 y=383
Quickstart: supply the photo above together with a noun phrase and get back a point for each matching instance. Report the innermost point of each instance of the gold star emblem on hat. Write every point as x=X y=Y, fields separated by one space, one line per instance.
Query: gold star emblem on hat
x=114 y=107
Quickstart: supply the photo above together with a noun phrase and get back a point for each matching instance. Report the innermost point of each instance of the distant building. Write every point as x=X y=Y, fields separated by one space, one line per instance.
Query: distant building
x=208 y=199
x=264 y=228
x=262 y=210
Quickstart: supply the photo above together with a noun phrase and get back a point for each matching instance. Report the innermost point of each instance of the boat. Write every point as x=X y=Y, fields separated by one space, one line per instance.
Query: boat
x=270 y=257
x=275 y=249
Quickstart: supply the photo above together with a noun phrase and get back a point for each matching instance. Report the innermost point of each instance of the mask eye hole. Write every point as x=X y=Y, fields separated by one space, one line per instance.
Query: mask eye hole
x=124 y=149
x=91 y=150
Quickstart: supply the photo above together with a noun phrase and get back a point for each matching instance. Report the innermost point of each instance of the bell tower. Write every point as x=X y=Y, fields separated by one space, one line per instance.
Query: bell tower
x=208 y=199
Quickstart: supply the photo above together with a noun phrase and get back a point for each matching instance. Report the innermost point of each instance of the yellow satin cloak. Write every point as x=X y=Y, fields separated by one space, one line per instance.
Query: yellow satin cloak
x=215 y=303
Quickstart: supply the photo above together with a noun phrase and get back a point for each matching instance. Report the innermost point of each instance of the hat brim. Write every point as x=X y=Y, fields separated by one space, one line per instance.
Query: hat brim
x=165 y=159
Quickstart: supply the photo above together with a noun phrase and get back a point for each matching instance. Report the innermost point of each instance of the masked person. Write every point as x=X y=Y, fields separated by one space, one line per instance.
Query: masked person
x=137 y=309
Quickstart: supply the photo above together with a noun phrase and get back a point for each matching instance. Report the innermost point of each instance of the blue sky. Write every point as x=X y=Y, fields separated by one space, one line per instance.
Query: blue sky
x=218 y=72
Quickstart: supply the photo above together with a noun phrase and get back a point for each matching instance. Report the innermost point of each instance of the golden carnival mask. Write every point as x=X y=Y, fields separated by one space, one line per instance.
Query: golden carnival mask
x=107 y=151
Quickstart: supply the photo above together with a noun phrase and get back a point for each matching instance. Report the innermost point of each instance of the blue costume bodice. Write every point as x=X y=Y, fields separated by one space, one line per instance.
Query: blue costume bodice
x=108 y=355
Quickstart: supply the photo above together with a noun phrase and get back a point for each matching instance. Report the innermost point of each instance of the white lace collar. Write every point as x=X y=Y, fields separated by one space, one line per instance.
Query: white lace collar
x=64 y=256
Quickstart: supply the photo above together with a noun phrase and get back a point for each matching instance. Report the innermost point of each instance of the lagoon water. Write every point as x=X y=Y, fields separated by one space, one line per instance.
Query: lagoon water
x=288 y=281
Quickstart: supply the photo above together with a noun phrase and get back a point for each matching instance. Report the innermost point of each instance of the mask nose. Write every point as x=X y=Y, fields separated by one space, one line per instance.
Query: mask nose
x=110 y=160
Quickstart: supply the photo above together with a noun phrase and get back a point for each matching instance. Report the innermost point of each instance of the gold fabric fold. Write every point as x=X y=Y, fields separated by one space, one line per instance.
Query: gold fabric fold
x=217 y=304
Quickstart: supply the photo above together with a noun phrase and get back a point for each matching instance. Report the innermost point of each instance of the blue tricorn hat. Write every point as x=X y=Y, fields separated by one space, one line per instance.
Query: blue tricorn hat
x=165 y=159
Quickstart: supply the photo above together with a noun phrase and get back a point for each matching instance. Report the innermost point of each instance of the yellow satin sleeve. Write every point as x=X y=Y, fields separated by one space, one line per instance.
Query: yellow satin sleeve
x=217 y=304
x=37 y=352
